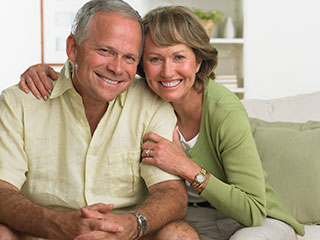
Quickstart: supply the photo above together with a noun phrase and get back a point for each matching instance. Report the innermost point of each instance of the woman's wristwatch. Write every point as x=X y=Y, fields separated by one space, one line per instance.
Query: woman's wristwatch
x=200 y=179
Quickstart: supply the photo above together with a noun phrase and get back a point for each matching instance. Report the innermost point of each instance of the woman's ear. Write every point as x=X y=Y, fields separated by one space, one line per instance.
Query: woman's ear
x=71 y=48
x=199 y=62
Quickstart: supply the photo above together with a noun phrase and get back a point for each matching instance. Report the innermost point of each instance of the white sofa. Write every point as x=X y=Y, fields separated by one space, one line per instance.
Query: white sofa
x=299 y=109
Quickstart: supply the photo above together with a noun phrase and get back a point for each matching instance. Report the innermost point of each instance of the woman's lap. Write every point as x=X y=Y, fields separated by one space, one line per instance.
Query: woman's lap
x=212 y=225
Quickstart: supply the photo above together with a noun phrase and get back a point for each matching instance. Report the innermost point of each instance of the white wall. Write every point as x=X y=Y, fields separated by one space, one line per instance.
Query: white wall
x=282 y=47
x=282 y=43
x=19 y=40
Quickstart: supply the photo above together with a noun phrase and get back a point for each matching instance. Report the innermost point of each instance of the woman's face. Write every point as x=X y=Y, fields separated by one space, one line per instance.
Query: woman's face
x=170 y=71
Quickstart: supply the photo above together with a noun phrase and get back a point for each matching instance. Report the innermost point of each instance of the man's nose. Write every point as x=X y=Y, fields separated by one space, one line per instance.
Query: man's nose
x=115 y=65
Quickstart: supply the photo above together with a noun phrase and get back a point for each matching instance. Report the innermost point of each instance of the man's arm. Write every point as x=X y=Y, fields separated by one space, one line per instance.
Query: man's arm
x=13 y=204
x=22 y=215
x=167 y=202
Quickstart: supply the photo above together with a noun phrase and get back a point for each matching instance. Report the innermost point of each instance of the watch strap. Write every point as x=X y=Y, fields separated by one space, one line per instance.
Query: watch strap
x=142 y=224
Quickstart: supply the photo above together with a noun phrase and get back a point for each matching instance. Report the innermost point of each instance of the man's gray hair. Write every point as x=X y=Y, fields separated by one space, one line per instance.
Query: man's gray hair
x=83 y=19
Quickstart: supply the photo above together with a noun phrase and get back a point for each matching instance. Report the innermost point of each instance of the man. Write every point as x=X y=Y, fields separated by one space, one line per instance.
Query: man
x=66 y=163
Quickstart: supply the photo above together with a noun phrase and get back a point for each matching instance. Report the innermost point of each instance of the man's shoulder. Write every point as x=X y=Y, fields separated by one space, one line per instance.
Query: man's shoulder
x=140 y=90
x=140 y=85
x=140 y=99
x=14 y=93
x=17 y=98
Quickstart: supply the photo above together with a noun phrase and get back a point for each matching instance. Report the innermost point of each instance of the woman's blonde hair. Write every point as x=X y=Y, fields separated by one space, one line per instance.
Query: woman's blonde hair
x=172 y=25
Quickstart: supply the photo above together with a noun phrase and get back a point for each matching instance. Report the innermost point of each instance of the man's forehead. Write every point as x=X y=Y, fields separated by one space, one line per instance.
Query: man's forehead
x=114 y=30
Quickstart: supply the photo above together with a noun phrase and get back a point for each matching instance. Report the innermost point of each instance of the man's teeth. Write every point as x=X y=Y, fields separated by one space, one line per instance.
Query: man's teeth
x=171 y=84
x=109 y=81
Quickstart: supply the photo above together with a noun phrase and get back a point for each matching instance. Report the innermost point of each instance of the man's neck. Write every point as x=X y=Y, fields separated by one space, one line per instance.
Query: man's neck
x=94 y=112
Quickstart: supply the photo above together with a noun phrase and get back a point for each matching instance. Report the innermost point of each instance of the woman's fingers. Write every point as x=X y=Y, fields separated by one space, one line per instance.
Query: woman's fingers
x=153 y=137
x=32 y=87
x=23 y=84
x=36 y=80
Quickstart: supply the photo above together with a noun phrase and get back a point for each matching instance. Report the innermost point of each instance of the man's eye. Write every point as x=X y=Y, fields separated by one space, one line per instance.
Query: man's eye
x=104 y=50
x=155 y=59
x=179 y=57
x=131 y=59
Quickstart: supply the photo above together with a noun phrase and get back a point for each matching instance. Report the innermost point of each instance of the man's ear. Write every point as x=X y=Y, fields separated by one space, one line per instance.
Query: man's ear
x=71 y=48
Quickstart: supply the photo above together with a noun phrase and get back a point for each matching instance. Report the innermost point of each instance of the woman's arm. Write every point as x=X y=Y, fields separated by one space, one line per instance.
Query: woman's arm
x=240 y=191
x=35 y=78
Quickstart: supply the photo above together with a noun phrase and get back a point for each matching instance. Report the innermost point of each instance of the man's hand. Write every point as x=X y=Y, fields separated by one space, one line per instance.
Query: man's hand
x=72 y=224
x=128 y=229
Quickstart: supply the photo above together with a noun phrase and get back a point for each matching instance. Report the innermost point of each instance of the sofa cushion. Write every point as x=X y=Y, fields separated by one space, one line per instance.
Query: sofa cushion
x=285 y=109
x=290 y=154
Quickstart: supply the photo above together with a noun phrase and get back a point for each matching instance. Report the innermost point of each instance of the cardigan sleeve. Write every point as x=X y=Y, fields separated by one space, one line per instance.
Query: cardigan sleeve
x=241 y=195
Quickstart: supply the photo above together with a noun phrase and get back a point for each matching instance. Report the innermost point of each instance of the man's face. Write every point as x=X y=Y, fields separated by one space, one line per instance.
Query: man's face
x=106 y=63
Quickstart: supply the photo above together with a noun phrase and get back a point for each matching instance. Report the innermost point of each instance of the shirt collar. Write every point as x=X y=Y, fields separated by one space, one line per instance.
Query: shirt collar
x=64 y=83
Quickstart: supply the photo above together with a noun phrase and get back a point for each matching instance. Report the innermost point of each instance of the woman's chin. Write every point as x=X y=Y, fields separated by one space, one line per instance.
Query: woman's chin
x=168 y=98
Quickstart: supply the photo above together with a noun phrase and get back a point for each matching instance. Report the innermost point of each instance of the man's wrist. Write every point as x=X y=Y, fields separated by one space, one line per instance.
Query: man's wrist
x=142 y=224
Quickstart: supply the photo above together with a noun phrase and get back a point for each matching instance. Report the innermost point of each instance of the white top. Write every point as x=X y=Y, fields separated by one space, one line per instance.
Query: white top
x=193 y=195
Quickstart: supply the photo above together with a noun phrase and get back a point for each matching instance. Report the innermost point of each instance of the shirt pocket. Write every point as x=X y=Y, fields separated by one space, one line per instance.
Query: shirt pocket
x=125 y=179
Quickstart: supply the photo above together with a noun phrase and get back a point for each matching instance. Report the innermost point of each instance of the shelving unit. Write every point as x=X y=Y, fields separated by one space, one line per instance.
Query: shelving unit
x=227 y=41
x=230 y=61
x=231 y=51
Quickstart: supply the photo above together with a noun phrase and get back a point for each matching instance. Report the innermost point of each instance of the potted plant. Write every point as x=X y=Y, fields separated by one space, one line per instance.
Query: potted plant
x=209 y=18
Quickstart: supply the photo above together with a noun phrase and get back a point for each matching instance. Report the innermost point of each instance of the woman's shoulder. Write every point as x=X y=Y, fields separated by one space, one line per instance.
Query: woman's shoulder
x=219 y=97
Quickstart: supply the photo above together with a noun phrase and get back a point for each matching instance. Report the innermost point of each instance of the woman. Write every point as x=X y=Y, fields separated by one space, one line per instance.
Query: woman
x=228 y=193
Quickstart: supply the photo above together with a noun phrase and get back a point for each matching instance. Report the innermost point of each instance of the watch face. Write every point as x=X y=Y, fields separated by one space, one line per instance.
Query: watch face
x=200 y=178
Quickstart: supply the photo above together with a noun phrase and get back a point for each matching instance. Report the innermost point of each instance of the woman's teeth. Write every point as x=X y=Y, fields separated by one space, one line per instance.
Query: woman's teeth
x=171 y=84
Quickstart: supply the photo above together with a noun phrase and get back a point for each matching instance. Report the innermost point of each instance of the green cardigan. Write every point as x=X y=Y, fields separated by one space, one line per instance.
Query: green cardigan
x=225 y=147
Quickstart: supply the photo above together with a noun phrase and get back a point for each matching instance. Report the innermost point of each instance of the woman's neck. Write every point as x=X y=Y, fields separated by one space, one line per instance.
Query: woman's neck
x=188 y=111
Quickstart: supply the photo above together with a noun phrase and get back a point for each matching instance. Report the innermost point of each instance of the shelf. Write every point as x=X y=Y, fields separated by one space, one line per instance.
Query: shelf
x=227 y=40
x=237 y=90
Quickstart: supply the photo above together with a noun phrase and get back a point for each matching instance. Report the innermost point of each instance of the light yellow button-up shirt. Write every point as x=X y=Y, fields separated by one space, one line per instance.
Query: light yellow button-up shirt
x=47 y=150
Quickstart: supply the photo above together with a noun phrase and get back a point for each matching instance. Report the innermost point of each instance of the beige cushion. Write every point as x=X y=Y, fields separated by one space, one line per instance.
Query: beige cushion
x=290 y=153
x=300 y=108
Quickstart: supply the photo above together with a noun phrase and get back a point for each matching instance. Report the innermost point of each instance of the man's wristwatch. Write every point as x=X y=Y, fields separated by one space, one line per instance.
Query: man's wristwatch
x=142 y=224
x=199 y=179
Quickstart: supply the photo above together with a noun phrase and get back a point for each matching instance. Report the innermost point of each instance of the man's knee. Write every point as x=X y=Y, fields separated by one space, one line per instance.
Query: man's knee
x=7 y=234
x=178 y=230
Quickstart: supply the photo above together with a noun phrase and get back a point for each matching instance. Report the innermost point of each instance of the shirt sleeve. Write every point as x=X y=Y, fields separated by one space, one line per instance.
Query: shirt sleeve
x=13 y=159
x=162 y=122
x=242 y=196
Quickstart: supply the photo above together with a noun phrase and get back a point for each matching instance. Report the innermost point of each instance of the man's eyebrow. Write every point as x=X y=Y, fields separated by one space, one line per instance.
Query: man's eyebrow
x=117 y=50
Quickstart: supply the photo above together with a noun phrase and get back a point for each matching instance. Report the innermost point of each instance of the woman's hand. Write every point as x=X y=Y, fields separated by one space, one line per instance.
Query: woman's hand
x=168 y=155
x=35 y=78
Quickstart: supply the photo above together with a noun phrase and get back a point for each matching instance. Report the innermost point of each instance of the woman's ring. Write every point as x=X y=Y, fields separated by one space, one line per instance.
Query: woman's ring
x=148 y=152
